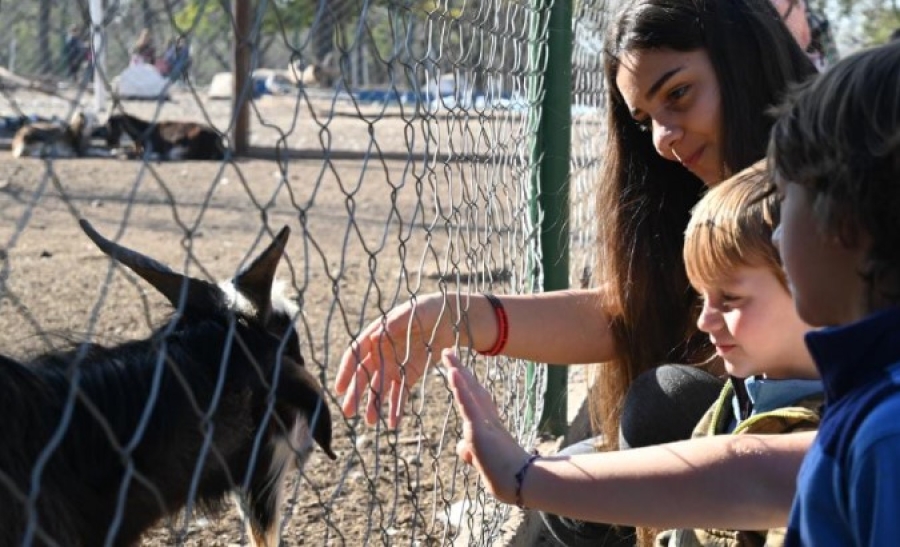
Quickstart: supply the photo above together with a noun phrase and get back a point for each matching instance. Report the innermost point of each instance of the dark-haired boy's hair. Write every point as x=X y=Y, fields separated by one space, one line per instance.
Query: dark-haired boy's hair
x=839 y=137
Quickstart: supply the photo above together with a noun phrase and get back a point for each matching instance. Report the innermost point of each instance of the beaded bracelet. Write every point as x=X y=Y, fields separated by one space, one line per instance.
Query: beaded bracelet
x=502 y=326
x=520 y=478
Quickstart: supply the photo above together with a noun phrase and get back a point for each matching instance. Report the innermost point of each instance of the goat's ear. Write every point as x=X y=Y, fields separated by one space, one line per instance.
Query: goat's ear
x=298 y=388
x=200 y=293
x=255 y=282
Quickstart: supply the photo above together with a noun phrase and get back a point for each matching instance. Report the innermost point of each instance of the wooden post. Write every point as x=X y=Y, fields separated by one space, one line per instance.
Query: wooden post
x=242 y=90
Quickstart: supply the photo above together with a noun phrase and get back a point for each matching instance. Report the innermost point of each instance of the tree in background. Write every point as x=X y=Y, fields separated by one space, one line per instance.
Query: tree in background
x=862 y=22
x=206 y=20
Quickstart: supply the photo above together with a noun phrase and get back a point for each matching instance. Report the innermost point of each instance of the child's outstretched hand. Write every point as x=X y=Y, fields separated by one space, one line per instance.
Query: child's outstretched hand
x=486 y=444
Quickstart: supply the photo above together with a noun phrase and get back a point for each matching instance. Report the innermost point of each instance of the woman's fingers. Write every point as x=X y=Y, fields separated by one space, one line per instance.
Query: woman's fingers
x=399 y=395
x=365 y=365
x=355 y=385
x=351 y=359
x=387 y=359
x=346 y=369
x=376 y=389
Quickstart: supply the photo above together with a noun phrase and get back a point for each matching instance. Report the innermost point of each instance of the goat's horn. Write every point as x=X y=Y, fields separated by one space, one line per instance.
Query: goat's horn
x=169 y=283
x=255 y=282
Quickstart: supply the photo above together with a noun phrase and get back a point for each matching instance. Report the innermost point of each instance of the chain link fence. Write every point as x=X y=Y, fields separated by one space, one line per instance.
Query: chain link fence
x=396 y=139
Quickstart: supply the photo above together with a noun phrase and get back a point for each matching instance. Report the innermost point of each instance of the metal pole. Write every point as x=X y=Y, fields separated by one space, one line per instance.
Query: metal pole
x=555 y=143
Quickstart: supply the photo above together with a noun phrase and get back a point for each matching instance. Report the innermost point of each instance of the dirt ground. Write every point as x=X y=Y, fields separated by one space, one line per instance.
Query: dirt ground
x=383 y=206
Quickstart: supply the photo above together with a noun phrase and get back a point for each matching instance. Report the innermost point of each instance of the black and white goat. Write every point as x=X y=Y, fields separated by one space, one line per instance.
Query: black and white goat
x=165 y=140
x=100 y=443
x=58 y=140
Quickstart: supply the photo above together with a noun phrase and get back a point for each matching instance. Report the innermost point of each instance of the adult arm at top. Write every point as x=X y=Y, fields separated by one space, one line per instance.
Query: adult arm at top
x=676 y=485
x=391 y=354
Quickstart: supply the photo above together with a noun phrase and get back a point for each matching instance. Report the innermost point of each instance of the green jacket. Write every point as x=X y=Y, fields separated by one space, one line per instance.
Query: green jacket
x=804 y=415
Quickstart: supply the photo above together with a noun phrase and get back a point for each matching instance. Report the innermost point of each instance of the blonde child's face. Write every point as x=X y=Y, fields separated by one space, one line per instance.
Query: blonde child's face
x=751 y=321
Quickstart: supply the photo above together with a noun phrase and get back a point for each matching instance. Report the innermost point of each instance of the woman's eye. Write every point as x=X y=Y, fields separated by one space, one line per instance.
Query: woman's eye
x=679 y=92
x=643 y=125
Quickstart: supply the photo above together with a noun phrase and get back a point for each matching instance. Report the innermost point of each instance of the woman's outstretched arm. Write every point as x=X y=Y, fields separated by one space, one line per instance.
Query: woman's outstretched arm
x=391 y=354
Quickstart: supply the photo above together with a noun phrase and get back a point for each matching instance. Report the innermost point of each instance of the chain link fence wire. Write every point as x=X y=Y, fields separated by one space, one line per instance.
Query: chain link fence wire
x=396 y=139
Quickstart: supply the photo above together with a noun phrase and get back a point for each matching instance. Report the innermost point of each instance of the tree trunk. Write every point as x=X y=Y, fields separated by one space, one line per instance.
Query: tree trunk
x=148 y=15
x=44 y=37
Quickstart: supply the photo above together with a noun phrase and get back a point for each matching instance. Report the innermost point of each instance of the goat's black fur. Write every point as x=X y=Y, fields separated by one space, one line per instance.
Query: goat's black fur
x=223 y=352
x=166 y=140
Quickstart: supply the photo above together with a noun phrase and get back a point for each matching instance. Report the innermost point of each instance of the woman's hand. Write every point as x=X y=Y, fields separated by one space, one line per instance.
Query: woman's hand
x=486 y=444
x=391 y=355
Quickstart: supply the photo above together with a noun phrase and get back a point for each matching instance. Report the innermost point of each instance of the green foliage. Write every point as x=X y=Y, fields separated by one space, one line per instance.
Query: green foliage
x=880 y=21
x=870 y=21
x=204 y=19
x=209 y=18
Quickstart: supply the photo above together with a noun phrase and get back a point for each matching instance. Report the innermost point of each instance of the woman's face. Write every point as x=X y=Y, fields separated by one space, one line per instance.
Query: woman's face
x=675 y=96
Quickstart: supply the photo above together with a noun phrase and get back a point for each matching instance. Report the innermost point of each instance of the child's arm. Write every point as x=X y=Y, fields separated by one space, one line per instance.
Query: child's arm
x=742 y=482
x=732 y=482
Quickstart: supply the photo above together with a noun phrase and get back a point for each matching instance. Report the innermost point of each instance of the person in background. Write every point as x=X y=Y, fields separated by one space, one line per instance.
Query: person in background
x=794 y=15
x=74 y=52
x=835 y=153
x=822 y=47
x=177 y=60
x=811 y=29
x=144 y=50
x=164 y=63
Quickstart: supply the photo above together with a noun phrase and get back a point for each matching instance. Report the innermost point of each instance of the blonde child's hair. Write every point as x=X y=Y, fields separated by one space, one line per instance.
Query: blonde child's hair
x=731 y=226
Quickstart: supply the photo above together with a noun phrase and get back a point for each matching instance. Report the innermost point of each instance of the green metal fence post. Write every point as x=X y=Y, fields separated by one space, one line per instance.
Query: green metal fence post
x=554 y=149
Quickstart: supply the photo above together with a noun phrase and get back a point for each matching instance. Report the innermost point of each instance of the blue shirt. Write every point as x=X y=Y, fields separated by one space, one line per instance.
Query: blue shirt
x=768 y=394
x=848 y=489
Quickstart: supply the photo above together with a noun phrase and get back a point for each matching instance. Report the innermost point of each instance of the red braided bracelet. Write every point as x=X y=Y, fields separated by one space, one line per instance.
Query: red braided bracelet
x=502 y=326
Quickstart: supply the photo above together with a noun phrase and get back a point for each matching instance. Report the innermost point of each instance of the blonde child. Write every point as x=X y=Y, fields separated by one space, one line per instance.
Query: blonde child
x=749 y=315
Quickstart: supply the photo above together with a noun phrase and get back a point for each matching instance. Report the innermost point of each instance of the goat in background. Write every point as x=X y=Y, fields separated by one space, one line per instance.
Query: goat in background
x=165 y=140
x=59 y=140
x=100 y=443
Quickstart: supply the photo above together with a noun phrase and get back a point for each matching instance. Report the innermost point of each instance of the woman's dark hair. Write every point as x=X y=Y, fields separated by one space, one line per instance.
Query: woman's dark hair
x=644 y=200
x=839 y=136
